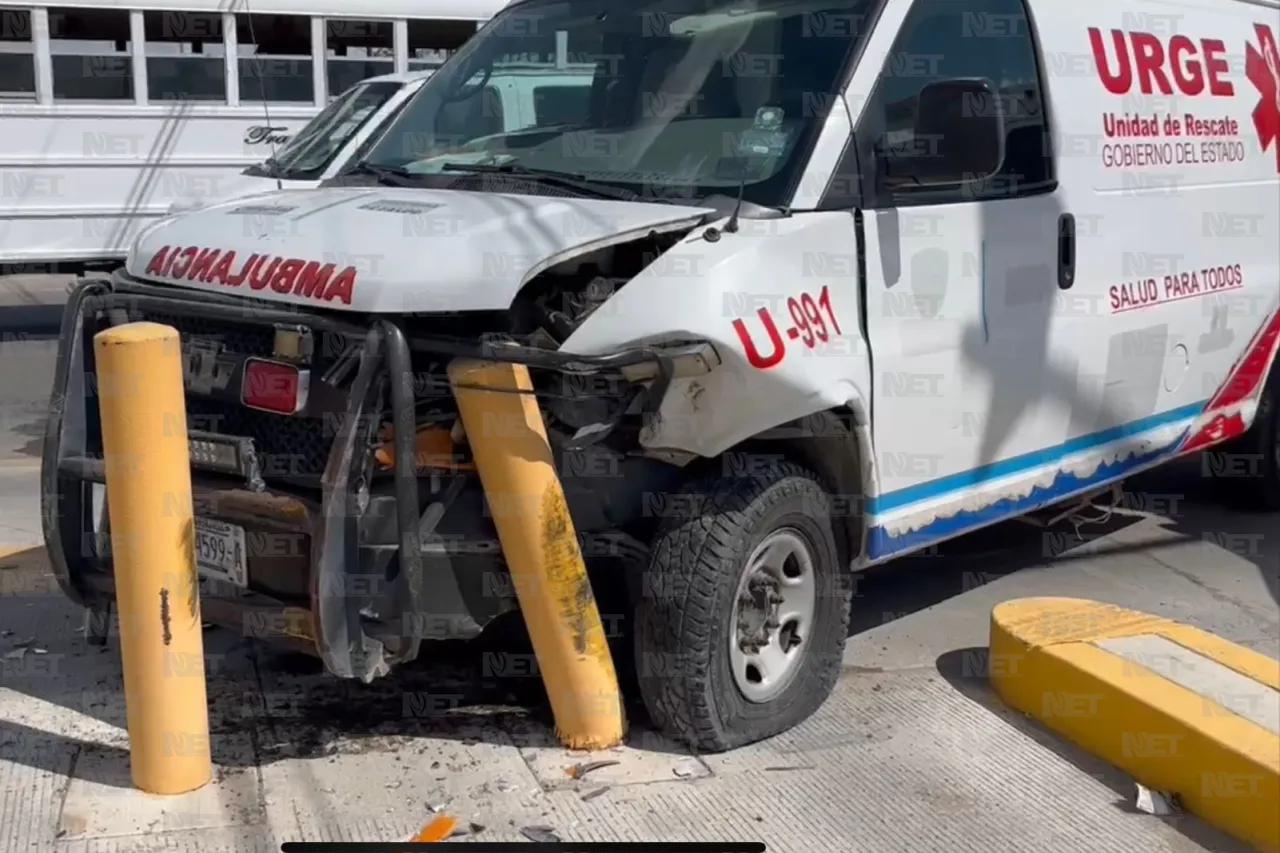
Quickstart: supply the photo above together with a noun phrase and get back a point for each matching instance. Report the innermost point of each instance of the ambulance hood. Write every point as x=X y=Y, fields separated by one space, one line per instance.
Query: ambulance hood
x=387 y=250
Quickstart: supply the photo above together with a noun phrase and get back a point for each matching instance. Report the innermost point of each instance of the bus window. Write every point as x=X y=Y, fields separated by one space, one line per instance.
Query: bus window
x=356 y=50
x=186 y=57
x=274 y=58
x=91 y=54
x=17 y=56
x=432 y=42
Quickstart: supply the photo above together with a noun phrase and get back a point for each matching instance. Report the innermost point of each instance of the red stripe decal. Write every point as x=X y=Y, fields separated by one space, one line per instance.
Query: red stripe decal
x=1242 y=382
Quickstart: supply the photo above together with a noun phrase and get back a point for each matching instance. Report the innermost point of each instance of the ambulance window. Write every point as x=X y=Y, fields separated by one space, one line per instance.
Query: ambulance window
x=948 y=39
x=91 y=54
x=186 y=57
x=17 y=56
x=274 y=58
x=356 y=50
x=554 y=105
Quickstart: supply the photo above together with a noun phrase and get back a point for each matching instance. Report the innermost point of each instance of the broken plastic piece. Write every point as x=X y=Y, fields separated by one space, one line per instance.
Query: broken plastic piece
x=577 y=771
x=540 y=834
x=438 y=828
x=433 y=448
x=1158 y=803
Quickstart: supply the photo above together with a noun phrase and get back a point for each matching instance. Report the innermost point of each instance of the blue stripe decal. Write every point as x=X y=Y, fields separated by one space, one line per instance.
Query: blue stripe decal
x=1027 y=462
x=881 y=543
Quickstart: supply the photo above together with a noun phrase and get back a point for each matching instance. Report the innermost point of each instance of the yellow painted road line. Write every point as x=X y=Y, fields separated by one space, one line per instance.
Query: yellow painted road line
x=1179 y=709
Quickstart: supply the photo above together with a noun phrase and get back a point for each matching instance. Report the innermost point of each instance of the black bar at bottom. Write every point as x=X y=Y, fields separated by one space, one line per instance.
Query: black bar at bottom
x=520 y=847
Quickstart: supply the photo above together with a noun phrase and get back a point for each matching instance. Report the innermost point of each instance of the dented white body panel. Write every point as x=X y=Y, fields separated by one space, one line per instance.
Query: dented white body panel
x=983 y=384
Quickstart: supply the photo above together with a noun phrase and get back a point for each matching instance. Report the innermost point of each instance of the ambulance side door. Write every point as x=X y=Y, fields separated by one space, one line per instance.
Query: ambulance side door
x=964 y=272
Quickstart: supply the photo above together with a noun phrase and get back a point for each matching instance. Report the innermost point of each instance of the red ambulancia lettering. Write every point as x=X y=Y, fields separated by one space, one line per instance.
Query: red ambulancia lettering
x=222 y=269
x=249 y=266
x=282 y=282
x=1189 y=67
x=342 y=287
x=204 y=263
x=312 y=280
x=156 y=265
x=309 y=279
x=181 y=262
x=260 y=278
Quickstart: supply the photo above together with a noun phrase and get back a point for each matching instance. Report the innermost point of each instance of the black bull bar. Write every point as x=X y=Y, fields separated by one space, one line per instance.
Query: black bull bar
x=69 y=467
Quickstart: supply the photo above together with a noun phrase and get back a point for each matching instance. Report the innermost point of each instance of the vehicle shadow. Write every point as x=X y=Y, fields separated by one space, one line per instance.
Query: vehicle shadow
x=911 y=584
x=966 y=671
x=1197 y=506
x=1209 y=513
x=65 y=698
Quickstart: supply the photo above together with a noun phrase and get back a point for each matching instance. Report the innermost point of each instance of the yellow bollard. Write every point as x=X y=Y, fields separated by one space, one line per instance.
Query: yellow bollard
x=144 y=438
x=509 y=443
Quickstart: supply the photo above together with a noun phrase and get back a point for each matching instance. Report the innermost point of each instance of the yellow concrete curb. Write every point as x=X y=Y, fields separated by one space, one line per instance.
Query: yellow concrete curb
x=1047 y=661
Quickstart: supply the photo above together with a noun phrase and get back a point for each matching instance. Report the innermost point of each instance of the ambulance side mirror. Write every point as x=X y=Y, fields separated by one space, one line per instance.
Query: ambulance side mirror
x=959 y=133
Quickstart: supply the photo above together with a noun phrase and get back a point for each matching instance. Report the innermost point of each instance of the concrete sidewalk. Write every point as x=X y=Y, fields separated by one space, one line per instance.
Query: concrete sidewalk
x=912 y=754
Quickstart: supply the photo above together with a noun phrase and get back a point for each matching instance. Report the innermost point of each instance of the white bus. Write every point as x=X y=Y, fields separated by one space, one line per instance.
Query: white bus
x=114 y=110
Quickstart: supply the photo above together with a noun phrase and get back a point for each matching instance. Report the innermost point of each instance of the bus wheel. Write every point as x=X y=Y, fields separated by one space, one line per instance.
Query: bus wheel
x=1255 y=486
x=743 y=615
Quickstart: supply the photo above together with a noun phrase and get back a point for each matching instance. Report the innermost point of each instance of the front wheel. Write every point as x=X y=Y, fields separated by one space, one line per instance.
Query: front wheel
x=743 y=614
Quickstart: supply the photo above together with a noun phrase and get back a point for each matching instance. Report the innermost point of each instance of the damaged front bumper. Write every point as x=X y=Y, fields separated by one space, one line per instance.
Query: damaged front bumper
x=358 y=569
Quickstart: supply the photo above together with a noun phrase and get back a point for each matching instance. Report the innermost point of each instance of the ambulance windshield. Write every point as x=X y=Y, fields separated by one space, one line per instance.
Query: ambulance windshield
x=678 y=98
x=312 y=149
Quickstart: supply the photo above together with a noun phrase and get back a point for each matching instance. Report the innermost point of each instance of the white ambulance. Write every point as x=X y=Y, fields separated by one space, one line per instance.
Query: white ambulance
x=804 y=286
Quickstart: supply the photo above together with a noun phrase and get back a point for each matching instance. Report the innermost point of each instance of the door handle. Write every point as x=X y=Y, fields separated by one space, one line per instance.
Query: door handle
x=1066 y=251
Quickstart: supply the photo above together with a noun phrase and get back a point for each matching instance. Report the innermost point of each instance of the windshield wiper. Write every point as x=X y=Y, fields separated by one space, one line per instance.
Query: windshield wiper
x=565 y=180
x=268 y=168
x=391 y=176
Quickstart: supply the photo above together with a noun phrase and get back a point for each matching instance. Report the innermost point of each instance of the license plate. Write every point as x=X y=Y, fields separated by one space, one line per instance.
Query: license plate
x=220 y=552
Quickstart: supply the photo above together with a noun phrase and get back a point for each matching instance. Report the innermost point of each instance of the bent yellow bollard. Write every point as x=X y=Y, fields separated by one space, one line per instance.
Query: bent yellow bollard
x=144 y=439
x=509 y=443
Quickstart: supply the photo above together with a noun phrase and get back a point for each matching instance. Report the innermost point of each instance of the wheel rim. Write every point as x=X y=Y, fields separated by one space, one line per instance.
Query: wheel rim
x=772 y=616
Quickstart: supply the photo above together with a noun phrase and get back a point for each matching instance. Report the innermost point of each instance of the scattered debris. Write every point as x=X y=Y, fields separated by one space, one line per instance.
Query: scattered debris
x=540 y=834
x=21 y=648
x=577 y=771
x=477 y=828
x=1158 y=803
x=438 y=828
x=591 y=795
x=687 y=768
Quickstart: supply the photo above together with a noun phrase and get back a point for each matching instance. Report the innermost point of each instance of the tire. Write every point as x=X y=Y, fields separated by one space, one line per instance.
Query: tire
x=685 y=622
x=1254 y=486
